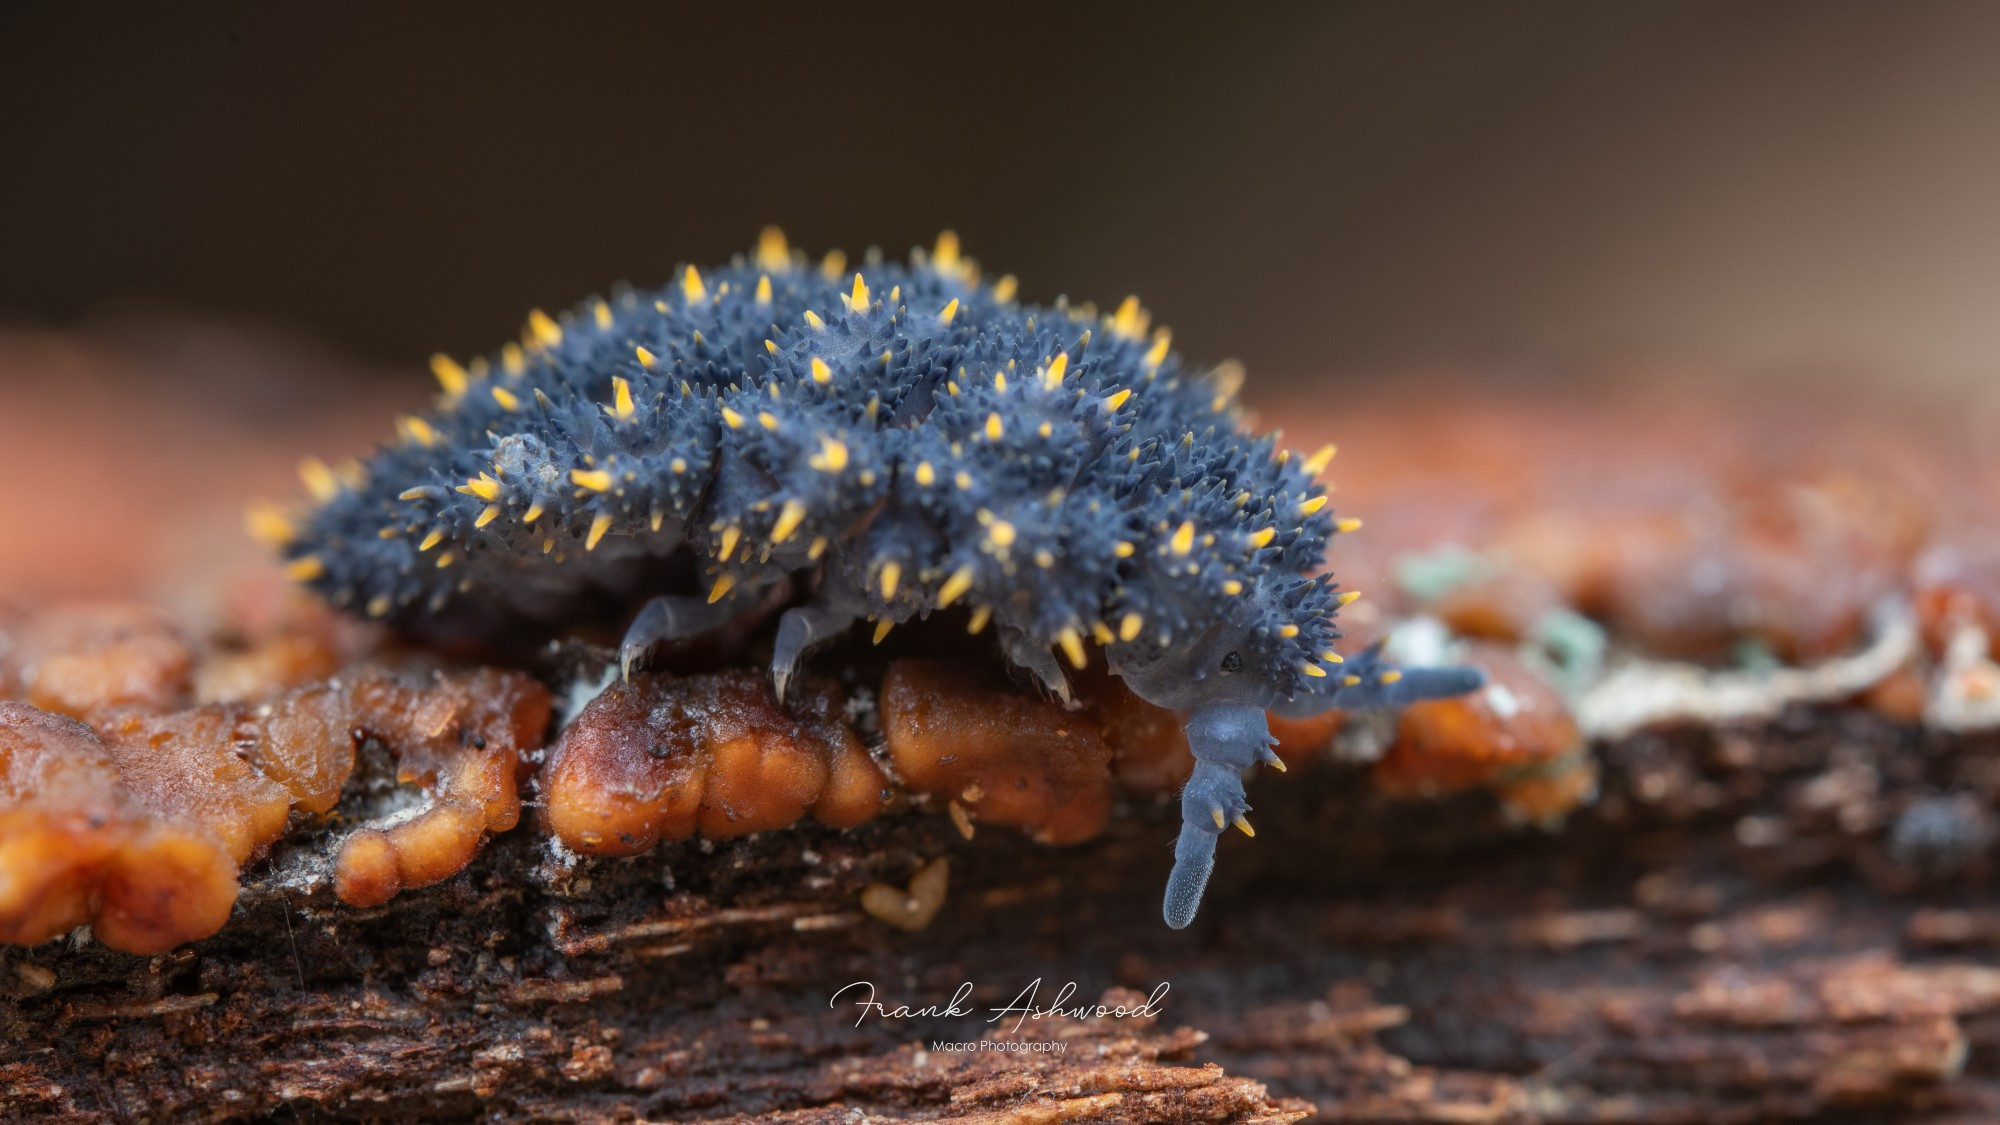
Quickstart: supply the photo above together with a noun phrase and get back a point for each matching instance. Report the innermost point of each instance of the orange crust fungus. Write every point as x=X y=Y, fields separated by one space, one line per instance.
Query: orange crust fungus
x=1006 y=757
x=93 y=659
x=139 y=822
x=1515 y=736
x=201 y=752
x=660 y=758
x=462 y=737
x=76 y=847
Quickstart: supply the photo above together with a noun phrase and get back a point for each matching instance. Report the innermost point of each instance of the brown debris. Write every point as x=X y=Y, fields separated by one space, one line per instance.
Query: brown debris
x=911 y=908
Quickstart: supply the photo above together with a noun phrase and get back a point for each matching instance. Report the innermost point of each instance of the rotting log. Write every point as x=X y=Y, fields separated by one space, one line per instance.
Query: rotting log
x=1755 y=923
x=1785 y=920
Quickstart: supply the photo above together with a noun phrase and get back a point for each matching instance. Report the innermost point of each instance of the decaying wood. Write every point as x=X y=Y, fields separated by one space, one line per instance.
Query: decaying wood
x=1784 y=913
x=1780 y=922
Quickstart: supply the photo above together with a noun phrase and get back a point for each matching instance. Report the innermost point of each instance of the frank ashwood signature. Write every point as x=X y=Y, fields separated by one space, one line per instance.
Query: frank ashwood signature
x=862 y=994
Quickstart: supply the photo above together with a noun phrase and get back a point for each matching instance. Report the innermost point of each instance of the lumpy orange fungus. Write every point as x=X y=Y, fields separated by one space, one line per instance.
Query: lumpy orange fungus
x=76 y=847
x=183 y=757
x=140 y=822
x=660 y=758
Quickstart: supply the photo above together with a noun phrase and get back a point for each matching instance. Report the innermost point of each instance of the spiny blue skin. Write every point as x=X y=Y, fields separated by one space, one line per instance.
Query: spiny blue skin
x=928 y=451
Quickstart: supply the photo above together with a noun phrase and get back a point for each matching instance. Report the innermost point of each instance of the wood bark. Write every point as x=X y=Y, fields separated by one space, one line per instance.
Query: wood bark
x=1784 y=922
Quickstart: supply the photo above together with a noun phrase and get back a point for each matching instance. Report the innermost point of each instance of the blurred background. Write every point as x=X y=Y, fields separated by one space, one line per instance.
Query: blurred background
x=1316 y=189
x=257 y=221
